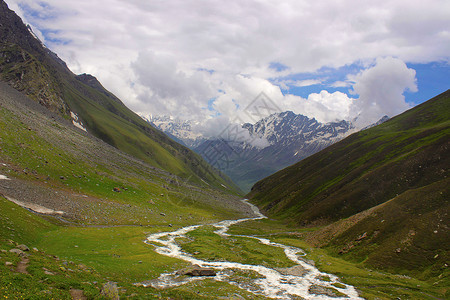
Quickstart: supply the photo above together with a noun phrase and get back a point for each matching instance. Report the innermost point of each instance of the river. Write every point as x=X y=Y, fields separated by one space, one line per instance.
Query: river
x=272 y=283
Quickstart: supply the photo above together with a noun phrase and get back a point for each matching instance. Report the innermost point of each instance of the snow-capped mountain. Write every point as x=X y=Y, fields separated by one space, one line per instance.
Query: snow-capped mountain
x=288 y=129
x=255 y=151
x=289 y=138
x=251 y=152
x=180 y=130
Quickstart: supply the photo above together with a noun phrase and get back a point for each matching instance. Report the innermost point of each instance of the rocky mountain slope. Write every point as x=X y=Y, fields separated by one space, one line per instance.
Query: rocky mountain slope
x=28 y=66
x=383 y=192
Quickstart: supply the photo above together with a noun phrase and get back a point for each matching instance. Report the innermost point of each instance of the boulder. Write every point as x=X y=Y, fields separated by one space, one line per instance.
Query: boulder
x=196 y=270
x=17 y=251
x=297 y=270
x=325 y=291
x=23 y=247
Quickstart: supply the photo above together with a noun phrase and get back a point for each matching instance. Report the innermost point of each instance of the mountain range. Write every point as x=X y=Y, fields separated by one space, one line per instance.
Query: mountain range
x=282 y=139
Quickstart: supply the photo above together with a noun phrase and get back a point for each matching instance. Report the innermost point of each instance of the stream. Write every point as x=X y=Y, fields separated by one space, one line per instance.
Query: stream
x=310 y=283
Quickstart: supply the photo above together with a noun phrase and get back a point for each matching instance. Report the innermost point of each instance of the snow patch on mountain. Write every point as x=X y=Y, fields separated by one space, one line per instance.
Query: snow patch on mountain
x=184 y=130
x=76 y=121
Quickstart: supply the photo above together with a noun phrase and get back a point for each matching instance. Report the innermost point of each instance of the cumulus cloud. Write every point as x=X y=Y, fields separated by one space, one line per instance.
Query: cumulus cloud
x=173 y=57
x=324 y=106
x=380 y=89
x=167 y=88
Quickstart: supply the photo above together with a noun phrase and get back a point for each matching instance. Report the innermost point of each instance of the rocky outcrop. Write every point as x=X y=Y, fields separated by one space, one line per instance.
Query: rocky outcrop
x=196 y=270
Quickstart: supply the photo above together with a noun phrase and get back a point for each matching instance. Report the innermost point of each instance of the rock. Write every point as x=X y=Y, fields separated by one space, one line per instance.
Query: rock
x=17 y=251
x=196 y=270
x=362 y=236
x=163 y=214
x=23 y=247
x=321 y=290
x=293 y=271
x=8 y=263
x=35 y=249
x=47 y=272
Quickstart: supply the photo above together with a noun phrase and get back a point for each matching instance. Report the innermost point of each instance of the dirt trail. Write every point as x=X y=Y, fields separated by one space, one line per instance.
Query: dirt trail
x=77 y=294
x=23 y=265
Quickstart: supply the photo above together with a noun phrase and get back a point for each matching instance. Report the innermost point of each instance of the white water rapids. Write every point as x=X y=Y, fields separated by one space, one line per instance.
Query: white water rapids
x=271 y=283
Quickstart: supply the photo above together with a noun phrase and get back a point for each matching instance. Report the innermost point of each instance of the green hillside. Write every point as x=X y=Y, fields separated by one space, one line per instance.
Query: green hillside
x=366 y=169
x=33 y=69
x=383 y=194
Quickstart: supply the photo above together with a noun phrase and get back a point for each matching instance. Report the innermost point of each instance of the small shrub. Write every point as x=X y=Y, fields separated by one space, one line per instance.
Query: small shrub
x=110 y=290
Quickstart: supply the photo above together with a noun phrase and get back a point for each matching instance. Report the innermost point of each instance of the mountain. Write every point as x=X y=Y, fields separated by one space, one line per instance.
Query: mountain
x=273 y=143
x=382 y=193
x=28 y=66
x=180 y=130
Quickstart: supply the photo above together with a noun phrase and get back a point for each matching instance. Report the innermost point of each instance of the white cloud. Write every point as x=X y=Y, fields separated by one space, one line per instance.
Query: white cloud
x=338 y=84
x=380 y=89
x=285 y=84
x=149 y=53
x=324 y=106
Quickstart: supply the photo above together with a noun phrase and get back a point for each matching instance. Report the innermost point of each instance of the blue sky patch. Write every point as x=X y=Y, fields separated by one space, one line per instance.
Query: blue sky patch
x=432 y=79
x=278 y=66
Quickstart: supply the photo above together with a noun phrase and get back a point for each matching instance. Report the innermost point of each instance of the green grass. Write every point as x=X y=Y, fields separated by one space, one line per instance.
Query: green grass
x=116 y=251
x=87 y=257
x=19 y=226
x=36 y=156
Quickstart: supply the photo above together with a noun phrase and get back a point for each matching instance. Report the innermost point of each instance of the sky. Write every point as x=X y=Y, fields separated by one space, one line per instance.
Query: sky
x=207 y=60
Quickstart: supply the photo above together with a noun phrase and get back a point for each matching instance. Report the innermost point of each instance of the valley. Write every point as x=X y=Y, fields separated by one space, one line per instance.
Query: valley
x=100 y=235
x=98 y=203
